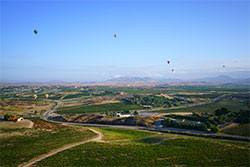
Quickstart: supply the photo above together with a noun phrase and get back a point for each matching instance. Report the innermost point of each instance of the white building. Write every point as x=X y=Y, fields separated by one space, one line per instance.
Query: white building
x=118 y=114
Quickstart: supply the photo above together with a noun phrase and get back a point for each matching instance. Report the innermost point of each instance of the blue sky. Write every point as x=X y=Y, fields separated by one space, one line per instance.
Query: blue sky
x=75 y=40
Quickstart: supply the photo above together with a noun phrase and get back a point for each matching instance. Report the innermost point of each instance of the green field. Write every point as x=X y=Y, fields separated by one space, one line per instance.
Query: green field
x=132 y=90
x=232 y=105
x=21 y=145
x=213 y=95
x=120 y=134
x=241 y=130
x=128 y=148
x=77 y=95
x=97 y=108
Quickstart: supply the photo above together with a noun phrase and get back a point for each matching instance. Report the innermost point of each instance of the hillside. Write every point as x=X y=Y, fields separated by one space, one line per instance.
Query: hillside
x=101 y=119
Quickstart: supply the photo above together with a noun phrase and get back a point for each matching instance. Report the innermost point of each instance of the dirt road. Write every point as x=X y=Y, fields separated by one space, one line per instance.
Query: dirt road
x=37 y=159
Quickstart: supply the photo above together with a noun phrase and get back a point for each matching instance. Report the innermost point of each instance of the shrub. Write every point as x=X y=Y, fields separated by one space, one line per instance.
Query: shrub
x=215 y=129
x=7 y=116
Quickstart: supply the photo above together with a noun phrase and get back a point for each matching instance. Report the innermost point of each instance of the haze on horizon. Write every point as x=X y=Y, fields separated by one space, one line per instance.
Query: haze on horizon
x=75 y=40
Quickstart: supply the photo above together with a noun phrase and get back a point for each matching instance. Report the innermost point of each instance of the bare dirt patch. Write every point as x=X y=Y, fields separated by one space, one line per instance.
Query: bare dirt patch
x=47 y=125
x=148 y=121
x=177 y=113
x=21 y=124
x=165 y=95
x=72 y=104
x=191 y=93
x=232 y=125
x=18 y=107
x=108 y=101
x=198 y=100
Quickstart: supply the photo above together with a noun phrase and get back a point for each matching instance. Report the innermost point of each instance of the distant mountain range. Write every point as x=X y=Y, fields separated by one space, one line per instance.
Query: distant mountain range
x=218 y=79
x=133 y=79
x=223 y=79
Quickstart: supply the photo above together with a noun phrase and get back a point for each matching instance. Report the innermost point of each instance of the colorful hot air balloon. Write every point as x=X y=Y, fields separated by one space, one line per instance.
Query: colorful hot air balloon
x=168 y=62
x=34 y=96
x=35 y=31
x=115 y=35
x=46 y=96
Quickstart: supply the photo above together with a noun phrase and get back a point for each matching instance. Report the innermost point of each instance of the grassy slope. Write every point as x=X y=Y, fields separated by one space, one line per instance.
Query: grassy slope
x=241 y=130
x=97 y=108
x=18 y=149
x=233 y=105
x=77 y=95
x=131 y=148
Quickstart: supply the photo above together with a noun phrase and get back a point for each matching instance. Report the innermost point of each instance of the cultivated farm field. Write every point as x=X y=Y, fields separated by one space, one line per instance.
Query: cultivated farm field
x=21 y=144
x=125 y=147
x=97 y=108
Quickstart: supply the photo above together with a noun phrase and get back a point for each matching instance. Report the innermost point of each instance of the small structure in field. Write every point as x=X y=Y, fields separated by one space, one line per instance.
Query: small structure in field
x=118 y=114
x=121 y=93
x=15 y=119
x=20 y=118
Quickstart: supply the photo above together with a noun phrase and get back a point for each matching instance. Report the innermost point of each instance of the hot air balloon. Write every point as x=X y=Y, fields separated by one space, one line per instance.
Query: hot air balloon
x=35 y=31
x=115 y=35
x=168 y=62
x=172 y=70
x=34 y=96
x=46 y=96
x=223 y=66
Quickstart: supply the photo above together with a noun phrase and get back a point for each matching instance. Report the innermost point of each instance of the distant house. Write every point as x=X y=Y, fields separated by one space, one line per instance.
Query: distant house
x=20 y=118
x=118 y=114
x=15 y=118
x=11 y=119
x=121 y=93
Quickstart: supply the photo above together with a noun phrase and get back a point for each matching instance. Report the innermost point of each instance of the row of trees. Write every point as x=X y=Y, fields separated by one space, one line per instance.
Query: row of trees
x=210 y=121
x=184 y=125
x=223 y=115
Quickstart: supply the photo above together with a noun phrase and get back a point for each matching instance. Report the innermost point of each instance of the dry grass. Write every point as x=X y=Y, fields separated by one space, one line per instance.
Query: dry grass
x=165 y=95
x=100 y=119
x=20 y=124
x=71 y=104
x=108 y=101
x=47 y=125
x=190 y=93
x=18 y=107
x=232 y=125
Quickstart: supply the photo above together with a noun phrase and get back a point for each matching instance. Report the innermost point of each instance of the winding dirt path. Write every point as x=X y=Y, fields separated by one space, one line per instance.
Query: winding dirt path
x=37 y=159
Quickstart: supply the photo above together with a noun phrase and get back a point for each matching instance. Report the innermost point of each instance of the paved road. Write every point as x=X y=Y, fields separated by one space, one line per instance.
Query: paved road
x=37 y=159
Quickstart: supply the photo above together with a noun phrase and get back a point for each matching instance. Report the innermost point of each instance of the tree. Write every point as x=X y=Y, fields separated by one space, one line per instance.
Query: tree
x=208 y=124
x=215 y=129
x=222 y=111
x=136 y=113
x=126 y=112
x=7 y=116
